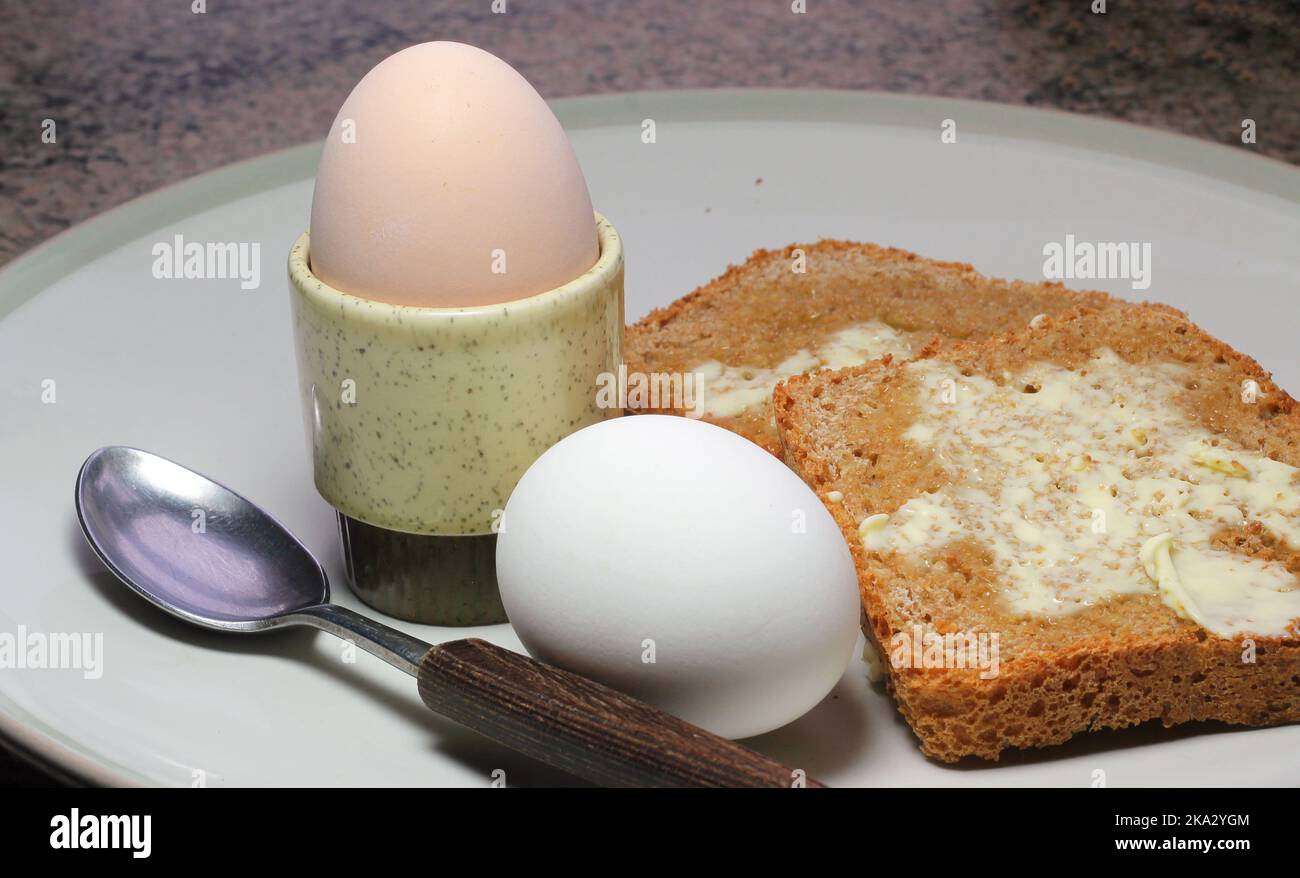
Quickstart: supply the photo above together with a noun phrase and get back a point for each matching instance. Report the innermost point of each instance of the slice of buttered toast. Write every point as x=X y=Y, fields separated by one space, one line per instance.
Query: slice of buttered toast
x=1085 y=524
x=808 y=306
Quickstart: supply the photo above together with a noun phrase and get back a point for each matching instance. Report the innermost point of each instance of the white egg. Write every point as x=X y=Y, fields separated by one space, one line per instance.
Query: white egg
x=677 y=562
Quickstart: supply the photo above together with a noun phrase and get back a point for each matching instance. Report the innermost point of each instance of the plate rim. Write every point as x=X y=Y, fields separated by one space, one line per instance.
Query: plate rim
x=39 y=266
x=31 y=272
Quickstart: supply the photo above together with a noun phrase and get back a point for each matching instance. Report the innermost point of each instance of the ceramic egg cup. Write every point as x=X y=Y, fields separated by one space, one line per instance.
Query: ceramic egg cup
x=422 y=420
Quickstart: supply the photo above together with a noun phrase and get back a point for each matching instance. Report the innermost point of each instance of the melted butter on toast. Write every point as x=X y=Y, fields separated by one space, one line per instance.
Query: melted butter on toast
x=1089 y=486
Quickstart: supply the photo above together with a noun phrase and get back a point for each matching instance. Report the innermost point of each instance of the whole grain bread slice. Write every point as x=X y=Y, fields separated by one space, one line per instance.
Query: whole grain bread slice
x=864 y=439
x=779 y=302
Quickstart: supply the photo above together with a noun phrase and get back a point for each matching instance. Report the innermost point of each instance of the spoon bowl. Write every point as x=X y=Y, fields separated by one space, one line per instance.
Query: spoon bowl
x=192 y=546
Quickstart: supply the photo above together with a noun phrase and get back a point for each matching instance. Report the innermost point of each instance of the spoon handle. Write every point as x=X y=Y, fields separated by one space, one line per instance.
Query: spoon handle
x=584 y=727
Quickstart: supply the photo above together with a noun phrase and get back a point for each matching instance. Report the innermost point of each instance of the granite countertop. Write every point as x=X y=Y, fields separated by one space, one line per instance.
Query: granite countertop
x=145 y=94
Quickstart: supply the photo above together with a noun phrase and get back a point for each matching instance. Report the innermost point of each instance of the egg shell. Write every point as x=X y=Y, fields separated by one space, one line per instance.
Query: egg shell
x=659 y=536
x=446 y=181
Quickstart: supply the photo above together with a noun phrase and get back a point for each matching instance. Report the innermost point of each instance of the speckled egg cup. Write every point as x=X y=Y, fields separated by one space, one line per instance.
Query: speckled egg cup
x=422 y=420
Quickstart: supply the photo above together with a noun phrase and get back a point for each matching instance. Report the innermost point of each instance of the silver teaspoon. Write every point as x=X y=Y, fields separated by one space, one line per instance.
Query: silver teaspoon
x=244 y=572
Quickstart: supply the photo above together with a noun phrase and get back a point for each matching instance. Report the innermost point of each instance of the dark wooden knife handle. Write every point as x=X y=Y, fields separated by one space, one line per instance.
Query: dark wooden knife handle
x=584 y=727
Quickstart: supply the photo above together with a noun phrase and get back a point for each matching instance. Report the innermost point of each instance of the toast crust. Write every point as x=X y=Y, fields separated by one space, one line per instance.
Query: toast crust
x=760 y=312
x=1127 y=662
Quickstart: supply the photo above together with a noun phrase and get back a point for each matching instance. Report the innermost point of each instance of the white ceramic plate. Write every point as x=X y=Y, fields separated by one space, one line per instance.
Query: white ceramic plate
x=202 y=372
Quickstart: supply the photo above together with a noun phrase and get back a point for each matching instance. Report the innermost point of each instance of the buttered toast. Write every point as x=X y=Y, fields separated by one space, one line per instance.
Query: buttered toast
x=1084 y=524
x=829 y=304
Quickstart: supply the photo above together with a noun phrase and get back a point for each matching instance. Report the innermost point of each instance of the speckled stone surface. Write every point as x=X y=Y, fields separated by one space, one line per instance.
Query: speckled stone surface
x=148 y=93
x=144 y=94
